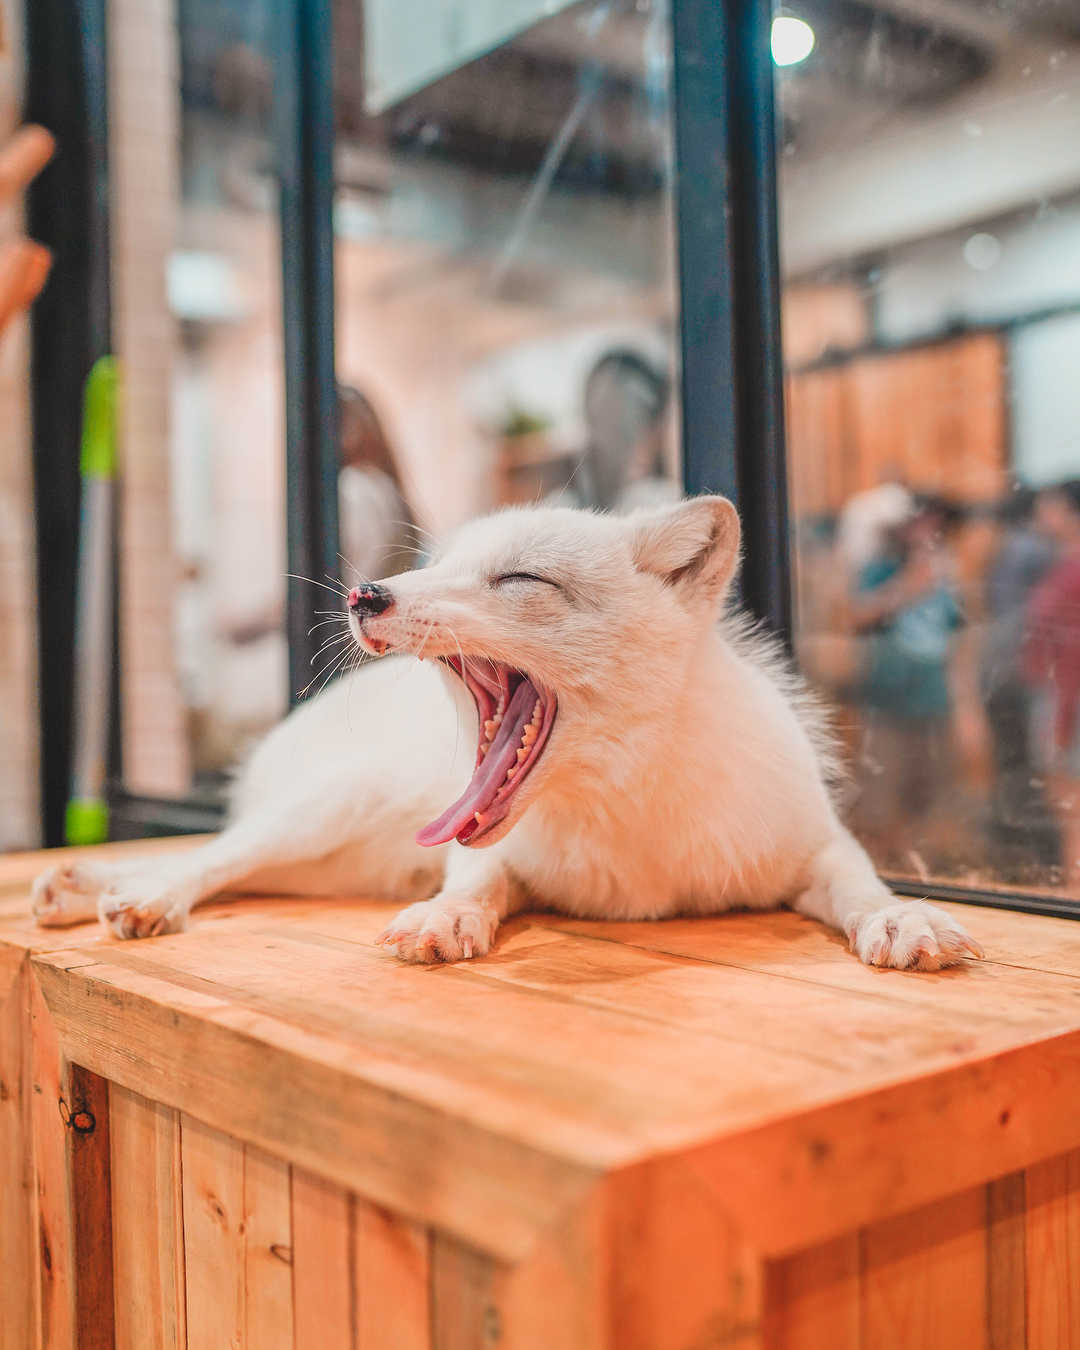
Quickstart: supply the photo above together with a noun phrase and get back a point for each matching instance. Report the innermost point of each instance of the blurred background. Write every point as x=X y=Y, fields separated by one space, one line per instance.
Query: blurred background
x=506 y=330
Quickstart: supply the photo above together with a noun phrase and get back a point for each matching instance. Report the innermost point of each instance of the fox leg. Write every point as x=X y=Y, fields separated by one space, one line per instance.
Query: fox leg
x=844 y=891
x=142 y=898
x=460 y=922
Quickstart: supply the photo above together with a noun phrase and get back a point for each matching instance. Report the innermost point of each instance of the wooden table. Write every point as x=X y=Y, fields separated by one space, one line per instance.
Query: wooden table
x=266 y=1133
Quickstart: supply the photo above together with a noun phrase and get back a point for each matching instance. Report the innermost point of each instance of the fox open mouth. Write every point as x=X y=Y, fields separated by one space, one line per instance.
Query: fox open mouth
x=516 y=717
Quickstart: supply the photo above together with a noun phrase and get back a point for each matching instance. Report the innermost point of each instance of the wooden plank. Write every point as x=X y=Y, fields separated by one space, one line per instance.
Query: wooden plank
x=268 y=1242
x=213 y=1201
x=71 y=1150
x=819 y=1173
x=924 y=1278
x=340 y=1107
x=56 y=1280
x=18 y=1214
x=1006 y=1295
x=322 y=1260
x=812 y=1299
x=148 y=1233
x=465 y=1311
x=237 y=1243
x=1052 y=1241
x=392 y=1281
x=679 y=1270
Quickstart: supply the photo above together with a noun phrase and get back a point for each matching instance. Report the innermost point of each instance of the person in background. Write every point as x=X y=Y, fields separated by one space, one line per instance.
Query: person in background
x=867 y=518
x=377 y=531
x=908 y=608
x=1021 y=828
x=1051 y=662
x=625 y=401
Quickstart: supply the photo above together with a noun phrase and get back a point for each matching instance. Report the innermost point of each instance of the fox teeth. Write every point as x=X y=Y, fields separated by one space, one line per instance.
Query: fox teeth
x=485 y=747
x=522 y=755
x=510 y=772
x=529 y=735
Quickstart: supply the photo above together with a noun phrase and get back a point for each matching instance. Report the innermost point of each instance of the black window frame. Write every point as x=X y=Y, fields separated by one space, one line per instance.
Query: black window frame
x=729 y=290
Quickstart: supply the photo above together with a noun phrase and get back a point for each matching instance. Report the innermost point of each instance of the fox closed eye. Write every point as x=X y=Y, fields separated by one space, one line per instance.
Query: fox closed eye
x=524 y=576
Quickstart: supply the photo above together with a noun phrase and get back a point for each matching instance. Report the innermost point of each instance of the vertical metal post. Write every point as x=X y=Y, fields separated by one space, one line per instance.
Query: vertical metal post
x=305 y=144
x=67 y=209
x=733 y=409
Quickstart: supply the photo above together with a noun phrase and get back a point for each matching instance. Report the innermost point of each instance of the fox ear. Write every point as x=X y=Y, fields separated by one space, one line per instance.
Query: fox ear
x=694 y=544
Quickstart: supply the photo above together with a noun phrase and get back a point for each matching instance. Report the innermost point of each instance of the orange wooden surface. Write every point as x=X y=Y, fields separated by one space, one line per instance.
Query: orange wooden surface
x=602 y=1136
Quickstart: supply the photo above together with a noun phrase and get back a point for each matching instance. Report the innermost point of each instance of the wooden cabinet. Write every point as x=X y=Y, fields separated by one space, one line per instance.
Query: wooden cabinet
x=702 y=1134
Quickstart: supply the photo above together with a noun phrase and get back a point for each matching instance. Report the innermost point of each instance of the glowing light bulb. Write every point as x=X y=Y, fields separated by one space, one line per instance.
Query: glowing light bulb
x=792 y=40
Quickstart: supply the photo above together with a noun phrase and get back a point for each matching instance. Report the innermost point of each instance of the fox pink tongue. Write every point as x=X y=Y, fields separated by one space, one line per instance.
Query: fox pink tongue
x=490 y=772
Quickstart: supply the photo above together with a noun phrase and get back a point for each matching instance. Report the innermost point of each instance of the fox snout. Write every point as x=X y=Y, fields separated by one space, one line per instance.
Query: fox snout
x=368 y=600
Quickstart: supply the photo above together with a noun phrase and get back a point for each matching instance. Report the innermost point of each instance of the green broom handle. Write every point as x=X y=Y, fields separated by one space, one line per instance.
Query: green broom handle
x=87 y=819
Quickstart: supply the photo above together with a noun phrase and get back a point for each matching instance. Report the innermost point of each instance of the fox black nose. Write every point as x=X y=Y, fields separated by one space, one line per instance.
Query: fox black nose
x=369 y=599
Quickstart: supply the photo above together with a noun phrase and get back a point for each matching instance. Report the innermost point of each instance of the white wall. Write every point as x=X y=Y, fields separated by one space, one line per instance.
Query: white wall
x=1045 y=360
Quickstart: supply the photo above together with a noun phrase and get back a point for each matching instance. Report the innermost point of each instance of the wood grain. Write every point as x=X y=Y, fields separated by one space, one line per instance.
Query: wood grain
x=70 y=1107
x=813 y=1299
x=213 y=1170
x=1052 y=1242
x=924 y=1278
x=18 y=1214
x=392 y=1281
x=667 y=1232
x=322 y=1260
x=268 y=1240
x=237 y=1229
x=147 y=1220
x=465 y=1310
x=1006 y=1296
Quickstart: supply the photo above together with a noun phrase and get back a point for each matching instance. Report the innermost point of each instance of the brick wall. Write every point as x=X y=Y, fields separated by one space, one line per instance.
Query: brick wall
x=19 y=823
x=144 y=150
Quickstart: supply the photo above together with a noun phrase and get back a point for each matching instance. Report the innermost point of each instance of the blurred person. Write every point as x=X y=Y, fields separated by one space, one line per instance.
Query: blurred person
x=1051 y=661
x=1021 y=826
x=377 y=531
x=868 y=517
x=907 y=605
x=622 y=468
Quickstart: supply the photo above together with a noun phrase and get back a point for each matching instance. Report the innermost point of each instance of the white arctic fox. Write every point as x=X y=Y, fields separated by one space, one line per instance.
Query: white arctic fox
x=636 y=758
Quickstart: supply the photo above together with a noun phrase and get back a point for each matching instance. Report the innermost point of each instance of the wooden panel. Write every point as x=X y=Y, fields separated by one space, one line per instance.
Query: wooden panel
x=392 y=1279
x=666 y=1233
x=322 y=1259
x=1005 y=1292
x=1052 y=1240
x=267 y=1252
x=213 y=1171
x=18 y=1221
x=924 y=1278
x=148 y=1235
x=812 y=1299
x=236 y=1243
x=465 y=1311
x=70 y=1109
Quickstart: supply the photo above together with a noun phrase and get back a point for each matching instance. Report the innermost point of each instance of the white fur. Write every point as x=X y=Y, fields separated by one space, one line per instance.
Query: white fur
x=686 y=772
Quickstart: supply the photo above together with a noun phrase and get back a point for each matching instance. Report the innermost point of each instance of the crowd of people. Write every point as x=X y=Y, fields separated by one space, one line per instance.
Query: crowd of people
x=959 y=683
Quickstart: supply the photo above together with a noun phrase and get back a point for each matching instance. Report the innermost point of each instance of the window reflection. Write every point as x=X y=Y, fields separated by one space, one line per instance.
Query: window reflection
x=930 y=212
x=506 y=301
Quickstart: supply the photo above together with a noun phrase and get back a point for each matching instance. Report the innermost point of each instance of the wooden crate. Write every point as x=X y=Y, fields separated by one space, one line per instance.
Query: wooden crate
x=266 y=1134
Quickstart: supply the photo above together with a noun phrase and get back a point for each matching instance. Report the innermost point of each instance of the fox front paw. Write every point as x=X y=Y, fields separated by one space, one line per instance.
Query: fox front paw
x=910 y=935
x=65 y=895
x=448 y=928
x=142 y=907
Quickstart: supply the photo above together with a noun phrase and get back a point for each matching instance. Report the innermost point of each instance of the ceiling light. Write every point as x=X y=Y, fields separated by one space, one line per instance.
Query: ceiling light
x=792 y=40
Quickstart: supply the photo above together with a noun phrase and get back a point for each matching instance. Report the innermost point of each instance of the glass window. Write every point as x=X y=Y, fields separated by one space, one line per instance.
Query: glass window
x=506 y=295
x=197 y=324
x=930 y=218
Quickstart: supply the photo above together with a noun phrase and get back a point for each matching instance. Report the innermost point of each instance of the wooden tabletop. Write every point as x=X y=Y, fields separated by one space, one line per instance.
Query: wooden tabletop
x=804 y=1090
